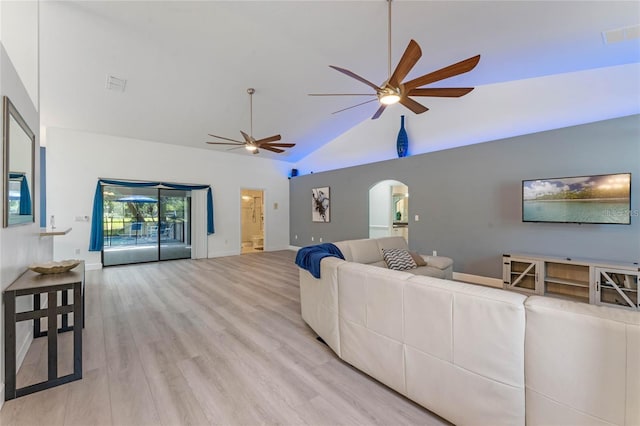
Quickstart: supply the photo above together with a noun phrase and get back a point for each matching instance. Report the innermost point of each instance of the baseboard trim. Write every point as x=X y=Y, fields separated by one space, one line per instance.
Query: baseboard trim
x=1 y=395
x=276 y=248
x=478 y=279
x=92 y=266
x=224 y=253
x=294 y=248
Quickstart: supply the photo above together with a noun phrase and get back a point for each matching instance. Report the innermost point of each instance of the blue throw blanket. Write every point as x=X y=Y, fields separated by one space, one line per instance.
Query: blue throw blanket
x=308 y=258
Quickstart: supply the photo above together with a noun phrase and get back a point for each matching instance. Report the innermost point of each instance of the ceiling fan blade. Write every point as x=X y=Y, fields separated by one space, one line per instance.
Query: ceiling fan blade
x=353 y=106
x=409 y=59
x=226 y=143
x=268 y=148
x=246 y=137
x=281 y=145
x=413 y=105
x=356 y=76
x=446 y=72
x=449 y=92
x=341 y=94
x=379 y=112
x=226 y=139
x=269 y=139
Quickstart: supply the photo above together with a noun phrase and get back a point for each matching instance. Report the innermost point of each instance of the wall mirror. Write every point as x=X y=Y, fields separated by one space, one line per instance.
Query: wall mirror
x=19 y=154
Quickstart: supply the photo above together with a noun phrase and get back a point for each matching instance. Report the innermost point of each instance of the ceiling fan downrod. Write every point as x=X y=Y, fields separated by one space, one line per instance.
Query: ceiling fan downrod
x=251 y=91
x=389 y=38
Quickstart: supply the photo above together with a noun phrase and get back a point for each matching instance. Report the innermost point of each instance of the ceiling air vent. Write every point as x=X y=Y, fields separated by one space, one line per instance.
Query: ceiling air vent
x=621 y=34
x=116 y=84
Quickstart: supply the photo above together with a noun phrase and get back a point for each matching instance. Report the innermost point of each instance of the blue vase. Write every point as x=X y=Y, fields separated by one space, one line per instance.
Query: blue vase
x=403 y=141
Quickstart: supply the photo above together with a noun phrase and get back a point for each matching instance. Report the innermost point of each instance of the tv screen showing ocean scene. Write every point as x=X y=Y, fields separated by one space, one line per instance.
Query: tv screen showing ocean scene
x=580 y=199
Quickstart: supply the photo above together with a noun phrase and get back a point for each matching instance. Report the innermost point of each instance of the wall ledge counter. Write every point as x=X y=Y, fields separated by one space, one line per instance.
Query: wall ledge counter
x=48 y=232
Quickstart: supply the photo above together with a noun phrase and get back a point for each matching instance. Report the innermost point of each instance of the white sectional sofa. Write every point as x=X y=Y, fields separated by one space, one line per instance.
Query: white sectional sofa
x=477 y=355
x=320 y=302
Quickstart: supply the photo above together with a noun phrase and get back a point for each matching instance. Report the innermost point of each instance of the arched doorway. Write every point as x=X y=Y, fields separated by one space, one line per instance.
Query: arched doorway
x=389 y=209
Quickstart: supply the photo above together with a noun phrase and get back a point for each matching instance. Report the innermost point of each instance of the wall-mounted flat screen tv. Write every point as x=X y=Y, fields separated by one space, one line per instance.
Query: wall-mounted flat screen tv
x=602 y=199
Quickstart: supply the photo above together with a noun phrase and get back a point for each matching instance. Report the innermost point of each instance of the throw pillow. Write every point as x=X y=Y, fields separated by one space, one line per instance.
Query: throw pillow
x=418 y=259
x=398 y=259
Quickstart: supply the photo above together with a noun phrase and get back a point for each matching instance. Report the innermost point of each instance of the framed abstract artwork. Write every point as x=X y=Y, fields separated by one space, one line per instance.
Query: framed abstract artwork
x=320 y=205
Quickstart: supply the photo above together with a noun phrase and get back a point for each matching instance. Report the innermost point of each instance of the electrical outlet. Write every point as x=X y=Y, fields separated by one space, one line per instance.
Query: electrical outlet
x=320 y=239
x=296 y=237
x=417 y=218
x=435 y=252
x=311 y=238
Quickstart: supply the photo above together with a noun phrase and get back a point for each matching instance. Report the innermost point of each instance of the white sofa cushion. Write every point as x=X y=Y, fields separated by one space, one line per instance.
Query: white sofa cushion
x=430 y=271
x=439 y=262
x=461 y=396
x=462 y=340
x=372 y=297
x=486 y=326
x=391 y=243
x=379 y=356
x=582 y=363
x=319 y=301
x=371 y=328
x=428 y=317
x=360 y=251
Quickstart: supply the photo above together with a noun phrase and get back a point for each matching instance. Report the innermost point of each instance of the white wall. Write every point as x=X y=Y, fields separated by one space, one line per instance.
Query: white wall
x=488 y=113
x=19 y=35
x=76 y=159
x=20 y=245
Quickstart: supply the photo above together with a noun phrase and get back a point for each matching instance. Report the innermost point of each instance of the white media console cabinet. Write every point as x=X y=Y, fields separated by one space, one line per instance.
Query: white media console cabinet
x=589 y=281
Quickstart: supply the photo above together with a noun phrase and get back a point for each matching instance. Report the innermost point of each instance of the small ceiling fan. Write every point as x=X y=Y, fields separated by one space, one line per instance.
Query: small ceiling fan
x=394 y=90
x=250 y=143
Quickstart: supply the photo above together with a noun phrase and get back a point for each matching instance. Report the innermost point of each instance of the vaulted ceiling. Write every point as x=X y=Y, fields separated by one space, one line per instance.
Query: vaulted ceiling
x=188 y=64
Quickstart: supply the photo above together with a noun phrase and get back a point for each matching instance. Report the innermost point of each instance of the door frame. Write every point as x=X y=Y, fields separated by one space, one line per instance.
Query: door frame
x=264 y=213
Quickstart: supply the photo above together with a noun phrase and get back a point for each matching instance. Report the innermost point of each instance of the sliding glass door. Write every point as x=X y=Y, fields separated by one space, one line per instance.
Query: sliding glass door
x=174 y=231
x=145 y=225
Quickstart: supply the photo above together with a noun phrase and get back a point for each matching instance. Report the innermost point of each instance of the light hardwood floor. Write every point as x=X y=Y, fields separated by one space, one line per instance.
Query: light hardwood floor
x=196 y=342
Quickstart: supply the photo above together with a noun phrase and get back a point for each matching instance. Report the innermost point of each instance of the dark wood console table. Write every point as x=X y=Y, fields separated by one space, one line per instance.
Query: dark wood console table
x=34 y=284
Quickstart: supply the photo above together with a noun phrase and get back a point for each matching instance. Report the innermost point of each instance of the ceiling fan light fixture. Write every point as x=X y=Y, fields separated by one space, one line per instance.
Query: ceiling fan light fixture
x=251 y=148
x=389 y=98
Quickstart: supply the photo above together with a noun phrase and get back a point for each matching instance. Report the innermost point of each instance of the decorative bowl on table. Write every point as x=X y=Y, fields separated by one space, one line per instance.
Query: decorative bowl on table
x=55 y=267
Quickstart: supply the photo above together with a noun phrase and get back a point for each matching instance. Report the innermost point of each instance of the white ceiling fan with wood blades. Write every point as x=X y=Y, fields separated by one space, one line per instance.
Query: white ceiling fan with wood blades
x=394 y=90
x=250 y=143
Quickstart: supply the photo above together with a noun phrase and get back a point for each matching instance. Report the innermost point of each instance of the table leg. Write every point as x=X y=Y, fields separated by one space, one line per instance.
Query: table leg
x=65 y=317
x=37 y=332
x=78 y=325
x=9 y=346
x=52 y=335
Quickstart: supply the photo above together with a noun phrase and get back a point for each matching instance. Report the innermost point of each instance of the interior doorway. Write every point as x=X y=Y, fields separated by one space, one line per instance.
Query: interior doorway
x=389 y=209
x=252 y=220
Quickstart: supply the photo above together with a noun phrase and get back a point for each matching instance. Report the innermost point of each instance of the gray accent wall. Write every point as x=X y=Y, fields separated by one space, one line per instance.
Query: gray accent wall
x=469 y=199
